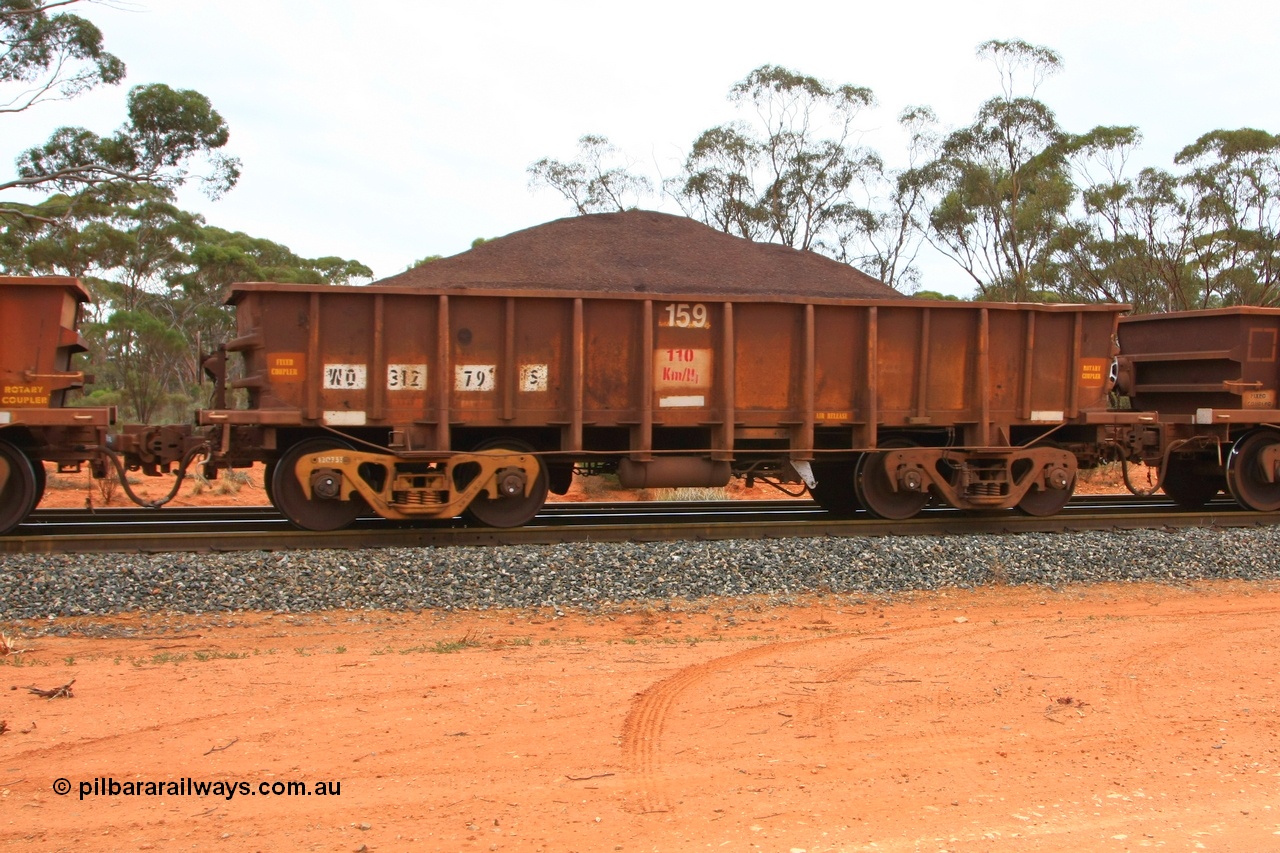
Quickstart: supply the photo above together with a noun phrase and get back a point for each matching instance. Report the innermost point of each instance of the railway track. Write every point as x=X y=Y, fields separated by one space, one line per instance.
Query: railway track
x=220 y=529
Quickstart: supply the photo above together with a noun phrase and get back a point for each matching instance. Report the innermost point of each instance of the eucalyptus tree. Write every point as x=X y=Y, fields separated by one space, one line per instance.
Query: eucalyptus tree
x=217 y=258
x=159 y=275
x=808 y=157
x=792 y=173
x=1232 y=186
x=885 y=237
x=718 y=184
x=1115 y=245
x=1201 y=237
x=48 y=54
x=595 y=182
x=791 y=176
x=154 y=344
x=49 y=57
x=1003 y=181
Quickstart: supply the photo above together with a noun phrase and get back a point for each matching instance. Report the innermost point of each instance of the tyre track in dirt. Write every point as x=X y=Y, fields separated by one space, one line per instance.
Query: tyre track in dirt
x=750 y=726
x=646 y=723
x=646 y=731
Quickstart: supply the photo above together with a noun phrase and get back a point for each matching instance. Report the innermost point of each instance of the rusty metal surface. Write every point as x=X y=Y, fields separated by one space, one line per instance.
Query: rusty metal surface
x=39 y=322
x=429 y=364
x=1225 y=361
x=38 y=335
x=673 y=386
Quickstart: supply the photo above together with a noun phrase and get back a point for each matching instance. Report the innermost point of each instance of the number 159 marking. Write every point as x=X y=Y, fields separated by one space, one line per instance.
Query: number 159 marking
x=683 y=315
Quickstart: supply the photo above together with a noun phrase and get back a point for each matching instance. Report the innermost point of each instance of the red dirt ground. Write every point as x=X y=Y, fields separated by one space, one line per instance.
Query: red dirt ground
x=1114 y=717
x=1099 y=718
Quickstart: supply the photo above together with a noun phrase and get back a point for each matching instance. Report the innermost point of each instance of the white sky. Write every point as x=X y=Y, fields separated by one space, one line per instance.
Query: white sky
x=393 y=130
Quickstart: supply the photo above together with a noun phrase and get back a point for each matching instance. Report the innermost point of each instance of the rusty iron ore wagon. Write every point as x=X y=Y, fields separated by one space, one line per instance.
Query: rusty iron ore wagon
x=417 y=402
x=1206 y=383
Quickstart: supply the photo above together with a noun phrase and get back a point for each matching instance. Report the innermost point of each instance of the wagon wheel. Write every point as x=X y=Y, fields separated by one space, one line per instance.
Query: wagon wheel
x=37 y=468
x=835 y=490
x=508 y=510
x=1189 y=488
x=19 y=493
x=311 y=513
x=1041 y=502
x=268 y=477
x=876 y=493
x=1245 y=479
x=1044 y=502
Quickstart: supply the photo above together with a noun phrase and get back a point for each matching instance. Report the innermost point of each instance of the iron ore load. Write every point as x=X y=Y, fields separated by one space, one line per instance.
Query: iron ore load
x=667 y=354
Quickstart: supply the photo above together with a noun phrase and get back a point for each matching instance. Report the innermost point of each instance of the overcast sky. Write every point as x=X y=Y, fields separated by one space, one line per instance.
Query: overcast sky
x=393 y=130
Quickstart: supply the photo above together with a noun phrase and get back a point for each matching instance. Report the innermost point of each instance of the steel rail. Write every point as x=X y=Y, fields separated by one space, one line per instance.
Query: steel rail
x=262 y=529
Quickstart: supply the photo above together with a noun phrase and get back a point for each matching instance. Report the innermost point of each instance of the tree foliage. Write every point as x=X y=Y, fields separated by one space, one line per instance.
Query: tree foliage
x=159 y=276
x=1127 y=239
x=1199 y=238
x=1027 y=209
x=806 y=163
x=51 y=54
x=1020 y=63
x=108 y=214
x=718 y=185
x=793 y=175
x=595 y=182
x=885 y=241
x=1001 y=182
x=1232 y=187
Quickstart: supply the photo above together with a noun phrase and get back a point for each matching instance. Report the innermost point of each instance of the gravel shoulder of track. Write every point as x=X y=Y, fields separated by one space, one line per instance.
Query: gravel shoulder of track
x=591 y=577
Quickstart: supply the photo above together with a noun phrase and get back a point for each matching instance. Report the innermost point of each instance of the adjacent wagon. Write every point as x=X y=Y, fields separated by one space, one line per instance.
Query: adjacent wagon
x=39 y=323
x=1208 y=381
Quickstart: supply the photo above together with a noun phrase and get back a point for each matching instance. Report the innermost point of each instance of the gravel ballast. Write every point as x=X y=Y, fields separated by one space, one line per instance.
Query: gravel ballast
x=592 y=576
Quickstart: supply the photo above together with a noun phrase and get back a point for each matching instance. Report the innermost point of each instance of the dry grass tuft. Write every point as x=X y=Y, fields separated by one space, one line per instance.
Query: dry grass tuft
x=9 y=646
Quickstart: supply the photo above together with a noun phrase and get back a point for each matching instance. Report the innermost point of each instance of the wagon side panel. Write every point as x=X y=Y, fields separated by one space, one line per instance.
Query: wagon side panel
x=769 y=355
x=1225 y=360
x=407 y=365
x=841 y=383
x=924 y=363
x=39 y=334
x=541 y=363
x=613 y=362
x=273 y=340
